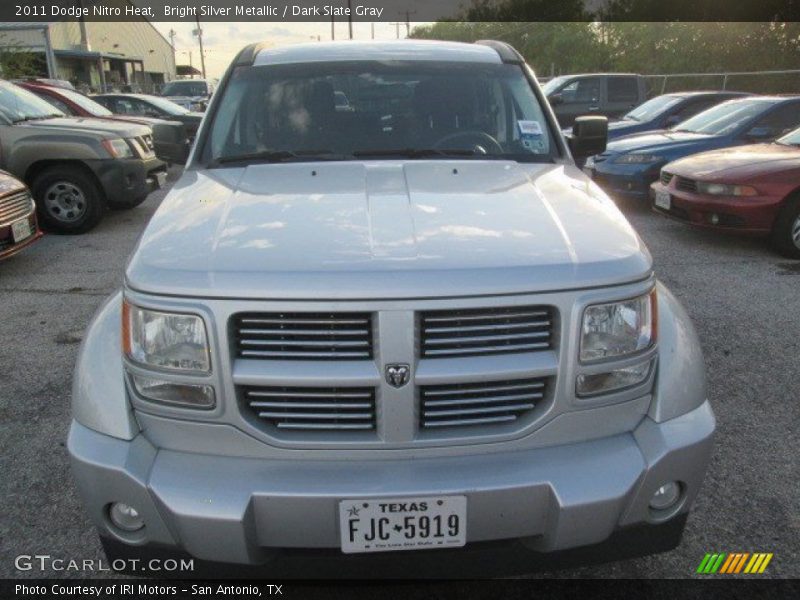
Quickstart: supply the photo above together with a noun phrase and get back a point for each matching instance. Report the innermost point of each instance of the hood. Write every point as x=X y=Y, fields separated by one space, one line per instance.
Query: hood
x=739 y=162
x=658 y=141
x=349 y=230
x=149 y=121
x=80 y=124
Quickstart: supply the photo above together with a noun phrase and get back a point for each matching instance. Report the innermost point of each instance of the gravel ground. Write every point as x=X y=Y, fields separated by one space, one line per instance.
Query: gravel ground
x=743 y=298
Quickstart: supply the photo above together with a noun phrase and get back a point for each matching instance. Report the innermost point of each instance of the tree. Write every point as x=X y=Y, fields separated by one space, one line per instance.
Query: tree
x=18 y=61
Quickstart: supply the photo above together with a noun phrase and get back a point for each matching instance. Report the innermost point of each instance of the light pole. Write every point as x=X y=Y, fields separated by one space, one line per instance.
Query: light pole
x=199 y=33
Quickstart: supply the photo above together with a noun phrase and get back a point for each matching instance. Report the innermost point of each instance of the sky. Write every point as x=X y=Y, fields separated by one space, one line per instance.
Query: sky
x=221 y=41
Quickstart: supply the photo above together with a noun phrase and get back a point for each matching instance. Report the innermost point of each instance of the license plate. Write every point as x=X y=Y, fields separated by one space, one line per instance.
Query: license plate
x=381 y=525
x=663 y=200
x=159 y=179
x=21 y=230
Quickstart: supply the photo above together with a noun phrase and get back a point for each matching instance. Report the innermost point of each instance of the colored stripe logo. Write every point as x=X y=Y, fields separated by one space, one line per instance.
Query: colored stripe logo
x=734 y=563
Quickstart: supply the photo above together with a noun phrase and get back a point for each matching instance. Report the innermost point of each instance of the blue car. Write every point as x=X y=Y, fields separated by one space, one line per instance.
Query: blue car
x=631 y=163
x=666 y=111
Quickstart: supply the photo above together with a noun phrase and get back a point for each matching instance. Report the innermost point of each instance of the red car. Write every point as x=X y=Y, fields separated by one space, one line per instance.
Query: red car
x=753 y=190
x=76 y=104
x=18 y=227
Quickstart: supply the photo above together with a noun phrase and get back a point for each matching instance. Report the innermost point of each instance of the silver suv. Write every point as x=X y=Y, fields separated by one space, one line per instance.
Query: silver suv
x=411 y=325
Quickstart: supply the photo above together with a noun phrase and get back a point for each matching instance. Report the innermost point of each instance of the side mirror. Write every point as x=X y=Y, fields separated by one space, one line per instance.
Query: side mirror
x=589 y=136
x=170 y=142
x=556 y=99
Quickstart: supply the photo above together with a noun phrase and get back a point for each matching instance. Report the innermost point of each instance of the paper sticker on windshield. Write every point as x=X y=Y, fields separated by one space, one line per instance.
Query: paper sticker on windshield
x=529 y=127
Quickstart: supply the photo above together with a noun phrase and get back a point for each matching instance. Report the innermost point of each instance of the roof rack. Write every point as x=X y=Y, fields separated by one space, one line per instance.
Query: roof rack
x=507 y=53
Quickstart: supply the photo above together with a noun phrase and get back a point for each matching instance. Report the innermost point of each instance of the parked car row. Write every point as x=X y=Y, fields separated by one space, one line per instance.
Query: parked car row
x=78 y=157
x=734 y=166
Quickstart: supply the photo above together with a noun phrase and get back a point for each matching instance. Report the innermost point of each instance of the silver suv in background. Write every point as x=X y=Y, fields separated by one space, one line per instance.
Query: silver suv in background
x=412 y=325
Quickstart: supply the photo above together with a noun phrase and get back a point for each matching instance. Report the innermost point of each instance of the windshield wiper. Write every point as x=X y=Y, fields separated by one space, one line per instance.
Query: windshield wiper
x=277 y=156
x=417 y=152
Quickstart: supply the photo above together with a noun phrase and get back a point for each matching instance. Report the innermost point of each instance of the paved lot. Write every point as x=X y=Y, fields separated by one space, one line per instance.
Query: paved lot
x=743 y=298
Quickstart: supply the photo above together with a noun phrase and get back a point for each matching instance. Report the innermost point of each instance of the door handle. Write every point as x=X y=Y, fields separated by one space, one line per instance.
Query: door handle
x=594 y=108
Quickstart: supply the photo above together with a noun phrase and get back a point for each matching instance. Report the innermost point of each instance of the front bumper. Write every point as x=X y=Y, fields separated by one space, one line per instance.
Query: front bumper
x=125 y=181
x=627 y=181
x=243 y=510
x=749 y=215
x=7 y=245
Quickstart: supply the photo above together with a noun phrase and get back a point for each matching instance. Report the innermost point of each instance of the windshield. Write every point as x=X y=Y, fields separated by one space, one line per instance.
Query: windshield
x=87 y=104
x=724 y=118
x=394 y=109
x=652 y=108
x=168 y=106
x=19 y=105
x=790 y=139
x=187 y=87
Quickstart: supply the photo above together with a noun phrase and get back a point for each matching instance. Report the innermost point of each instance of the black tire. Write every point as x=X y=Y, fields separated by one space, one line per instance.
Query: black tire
x=128 y=204
x=786 y=231
x=68 y=200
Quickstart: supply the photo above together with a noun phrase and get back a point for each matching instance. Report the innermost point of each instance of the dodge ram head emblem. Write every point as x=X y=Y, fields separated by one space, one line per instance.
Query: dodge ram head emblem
x=398 y=375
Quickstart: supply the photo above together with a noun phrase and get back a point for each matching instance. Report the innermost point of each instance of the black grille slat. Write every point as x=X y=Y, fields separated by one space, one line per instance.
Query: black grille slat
x=485 y=403
x=303 y=336
x=478 y=332
x=312 y=408
x=686 y=185
x=666 y=177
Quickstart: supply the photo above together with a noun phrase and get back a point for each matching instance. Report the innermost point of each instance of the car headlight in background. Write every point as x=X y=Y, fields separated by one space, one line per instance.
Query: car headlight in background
x=724 y=189
x=118 y=148
x=171 y=341
x=636 y=159
x=617 y=330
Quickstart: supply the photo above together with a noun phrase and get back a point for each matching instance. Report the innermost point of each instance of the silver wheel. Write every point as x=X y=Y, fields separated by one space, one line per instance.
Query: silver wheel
x=65 y=201
x=795 y=232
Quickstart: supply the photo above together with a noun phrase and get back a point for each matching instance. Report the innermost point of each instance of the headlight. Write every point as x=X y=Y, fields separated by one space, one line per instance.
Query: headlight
x=174 y=342
x=169 y=392
x=613 y=380
x=724 y=189
x=636 y=159
x=618 y=329
x=118 y=148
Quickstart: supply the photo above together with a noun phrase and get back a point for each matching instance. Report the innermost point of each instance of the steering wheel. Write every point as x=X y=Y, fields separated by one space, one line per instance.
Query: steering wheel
x=482 y=142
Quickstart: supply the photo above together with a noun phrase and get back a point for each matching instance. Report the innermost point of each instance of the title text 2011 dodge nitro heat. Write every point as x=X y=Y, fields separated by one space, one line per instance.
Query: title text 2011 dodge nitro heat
x=408 y=325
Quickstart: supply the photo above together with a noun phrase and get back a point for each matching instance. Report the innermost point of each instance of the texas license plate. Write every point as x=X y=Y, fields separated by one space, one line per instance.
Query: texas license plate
x=663 y=200
x=381 y=525
x=21 y=230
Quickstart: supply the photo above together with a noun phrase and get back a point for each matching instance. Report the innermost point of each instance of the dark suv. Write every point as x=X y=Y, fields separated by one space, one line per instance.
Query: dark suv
x=76 y=168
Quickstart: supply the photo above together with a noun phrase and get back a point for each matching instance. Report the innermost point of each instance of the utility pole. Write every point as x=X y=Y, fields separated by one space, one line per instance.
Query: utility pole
x=350 y=17
x=373 y=30
x=172 y=35
x=408 y=14
x=397 y=28
x=333 y=28
x=199 y=33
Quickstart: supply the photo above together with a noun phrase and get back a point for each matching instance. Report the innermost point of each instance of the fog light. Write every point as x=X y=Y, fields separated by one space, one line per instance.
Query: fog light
x=125 y=517
x=715 y=219
x=666 y=496
x=179 y=394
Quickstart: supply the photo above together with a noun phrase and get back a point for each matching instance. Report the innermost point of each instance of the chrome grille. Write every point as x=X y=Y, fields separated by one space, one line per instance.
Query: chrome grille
x=313 y=408
x=666 y=177
x=686 y=185
x=15 y=207
x=303 y=336
x=484 y=403
x=477 y=332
